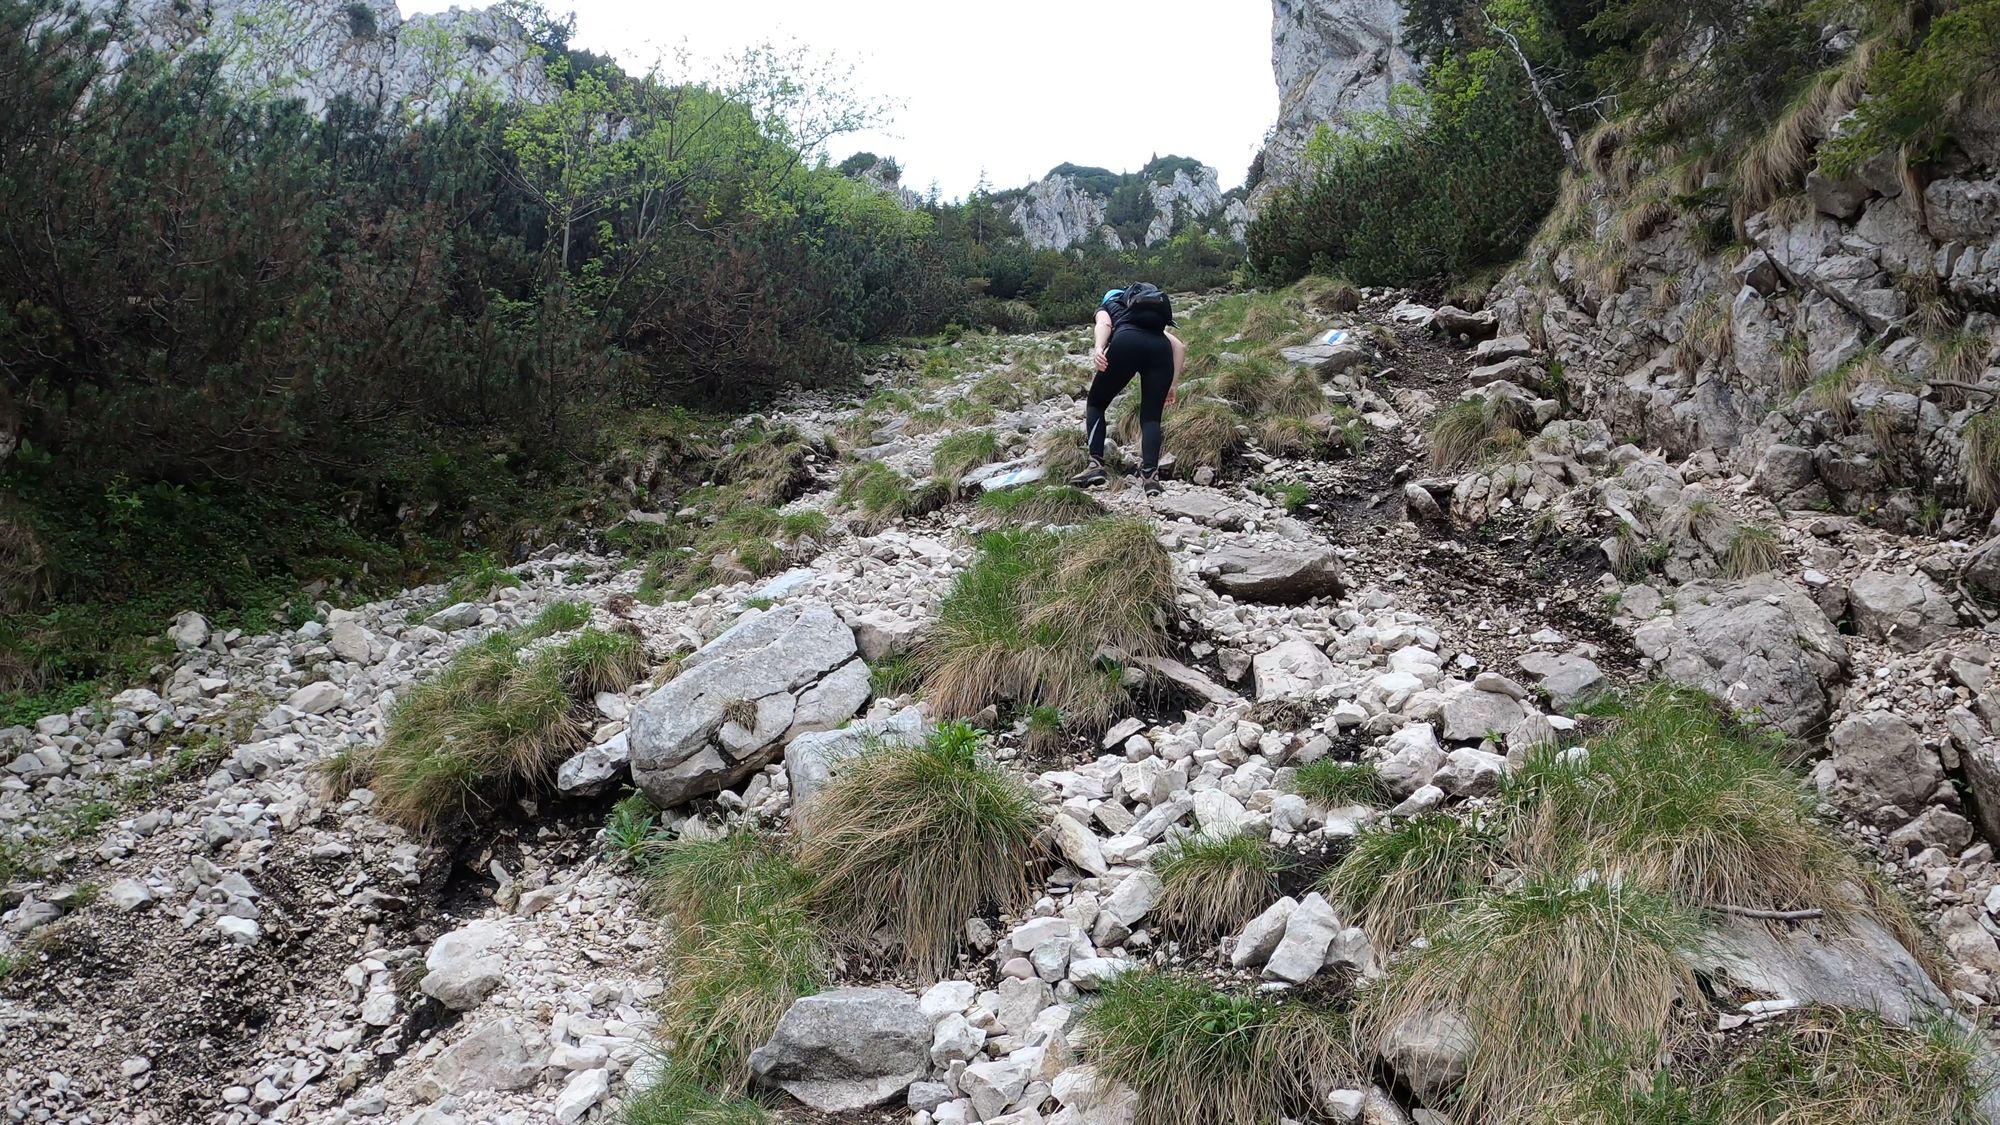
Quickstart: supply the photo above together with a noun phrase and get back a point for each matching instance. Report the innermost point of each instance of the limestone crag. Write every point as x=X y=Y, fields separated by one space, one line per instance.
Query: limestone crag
x=1332 y=59
x=1061 y=211
x=321 y=50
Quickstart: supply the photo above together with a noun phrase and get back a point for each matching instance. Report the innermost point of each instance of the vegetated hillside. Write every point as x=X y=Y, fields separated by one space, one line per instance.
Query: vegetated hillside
x=312 y=301
x=885 y=780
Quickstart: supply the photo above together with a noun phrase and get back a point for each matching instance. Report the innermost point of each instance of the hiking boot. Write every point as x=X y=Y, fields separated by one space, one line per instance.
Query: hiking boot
x=1151 y=483
x=1092 y=477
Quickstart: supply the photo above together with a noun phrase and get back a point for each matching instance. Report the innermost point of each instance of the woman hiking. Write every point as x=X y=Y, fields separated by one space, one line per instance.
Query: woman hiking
x=1132 y=339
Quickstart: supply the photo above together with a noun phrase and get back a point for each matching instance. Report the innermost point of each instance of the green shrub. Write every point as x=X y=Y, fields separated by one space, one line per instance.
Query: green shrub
x=1192 y=1053
x=915 y=839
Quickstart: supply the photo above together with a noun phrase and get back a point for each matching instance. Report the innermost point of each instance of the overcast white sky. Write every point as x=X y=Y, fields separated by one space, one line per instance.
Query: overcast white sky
x=1012 y=88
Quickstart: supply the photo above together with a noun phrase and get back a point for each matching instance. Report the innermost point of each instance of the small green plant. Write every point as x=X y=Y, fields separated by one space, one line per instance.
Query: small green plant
x=1289 y=495
x=1399 y=880
x=1042 y=729
x=630 y=826
x=1192 y=1053
x=680 y=1099
x=893 y=676
x=1214 y=884
x=759 y=604
x=881 y=495
x=1331 y=784
x=560 y=617
x=914 y=839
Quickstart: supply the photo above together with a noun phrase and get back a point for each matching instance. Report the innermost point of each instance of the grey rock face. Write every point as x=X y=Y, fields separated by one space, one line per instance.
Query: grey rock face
x=1293 y=669
x=1569 y=680
x=848 y=1049
x=1058 y=212
x=1862 y=968
x=1881 y=756
x=1762 y=646
x=1277 y=577
x=1907 y=610
x=494 y=1056
x=689 y=738
x=319 y=50
x=1332 y=59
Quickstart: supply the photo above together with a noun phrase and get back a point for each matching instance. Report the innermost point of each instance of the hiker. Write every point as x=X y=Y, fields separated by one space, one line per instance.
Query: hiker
x=1132 y=339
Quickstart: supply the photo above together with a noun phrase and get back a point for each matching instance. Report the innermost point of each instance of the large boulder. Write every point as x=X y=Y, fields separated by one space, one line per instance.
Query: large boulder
x=1761 y=646
x=493 y=1056
x=1981 y=574
x=739 y=697
x=464 y=966
x=1909 y=611
x=1858 y=966
x=1882 y=757
x=845 y=1050
x=1276 y=575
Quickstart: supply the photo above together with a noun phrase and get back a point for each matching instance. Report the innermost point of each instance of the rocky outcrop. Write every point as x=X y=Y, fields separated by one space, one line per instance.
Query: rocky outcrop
x=848 y=1049
x=774 y=675
x=1333 y=59
x=321 y=50
x=1062 y=210
x=1763 y=647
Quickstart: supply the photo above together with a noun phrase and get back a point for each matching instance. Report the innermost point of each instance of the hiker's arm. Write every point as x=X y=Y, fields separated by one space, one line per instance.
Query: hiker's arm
x=1180 y=365
x=1098 y=356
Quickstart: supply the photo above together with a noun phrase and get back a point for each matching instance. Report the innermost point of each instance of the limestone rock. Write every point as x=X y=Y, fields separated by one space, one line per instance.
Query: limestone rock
x=812 y=759
x=1278 y=576
x=848 y=1049
x=1309 y=933
x=1569 y=680
x=1429 y=1051
x=1762 y=646
x=492 y=1056
x=1907 y=610
x=1882 y=757
x=463 y=967
x=1293 y=669
x=683 y=743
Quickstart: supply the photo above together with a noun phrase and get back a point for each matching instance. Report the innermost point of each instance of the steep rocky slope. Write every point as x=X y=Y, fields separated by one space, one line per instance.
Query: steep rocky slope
x=319 y=50
x=1332 y=60
x=205 y=931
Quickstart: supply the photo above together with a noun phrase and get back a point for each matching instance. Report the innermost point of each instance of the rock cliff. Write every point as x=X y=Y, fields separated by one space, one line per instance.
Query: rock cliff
x=1332 y=58
x=319 y=50
x=1070 y=205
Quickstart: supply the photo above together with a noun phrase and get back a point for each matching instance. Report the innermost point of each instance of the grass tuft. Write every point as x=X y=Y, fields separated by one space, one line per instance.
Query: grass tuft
x=960 y=453
x=881 y=495
x=1203 y=432
x=1193 y=1053
x=1552 y=978
x=1399 y=880
x=1214 y=884
x=1055 y=505
x=493 y=725
x=915 y=839
x=1982 y=460
x=1478 y=429
x=1026 y=621
x=742 y=946
x=1331 y=784
x=1752 y=550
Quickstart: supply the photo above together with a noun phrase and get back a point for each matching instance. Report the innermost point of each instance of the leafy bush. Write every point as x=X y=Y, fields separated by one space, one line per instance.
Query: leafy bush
x=1460 y=194
x=915 y=839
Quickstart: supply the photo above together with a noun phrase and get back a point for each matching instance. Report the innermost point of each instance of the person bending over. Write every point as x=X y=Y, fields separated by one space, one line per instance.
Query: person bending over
x=1132 y=339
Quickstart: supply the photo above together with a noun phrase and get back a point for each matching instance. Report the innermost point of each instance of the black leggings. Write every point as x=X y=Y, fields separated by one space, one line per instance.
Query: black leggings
x=1149 y=355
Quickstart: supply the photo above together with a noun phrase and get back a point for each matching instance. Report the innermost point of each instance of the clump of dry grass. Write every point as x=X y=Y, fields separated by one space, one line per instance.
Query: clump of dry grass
x=1982 y=460
x=1203 y=432
x=1047 y=505
x=1026 y=622
x=493 y=725
x=1193 y=1053
x=1552 y=977
x=1400 y=879
x=1481 y=428
x=912 y=840
x=1212 y=885
x=961 y=453
x=1752 y=550
x=769 y=467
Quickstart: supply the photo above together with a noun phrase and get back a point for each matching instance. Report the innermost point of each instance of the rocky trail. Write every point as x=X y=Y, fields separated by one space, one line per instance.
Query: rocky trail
x=200 y=927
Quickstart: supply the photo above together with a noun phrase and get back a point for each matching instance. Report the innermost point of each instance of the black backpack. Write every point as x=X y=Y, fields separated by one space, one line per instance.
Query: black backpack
x=1146 y=306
